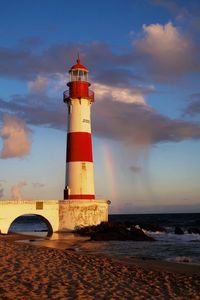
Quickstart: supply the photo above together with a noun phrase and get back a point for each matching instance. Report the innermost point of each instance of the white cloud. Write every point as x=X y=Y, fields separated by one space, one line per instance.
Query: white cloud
x=58 y=82
x=162 y=40
x=38 y=85
x=47 y=85
x=16 y=190
x=167 y=50
x=125 y=95
x=16 y=138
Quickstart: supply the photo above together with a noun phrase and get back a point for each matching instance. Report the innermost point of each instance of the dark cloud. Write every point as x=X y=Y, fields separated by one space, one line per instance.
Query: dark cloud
x=158 y=208
x=171 y=6
x=135 y=169
x=189 y=14
x=131 y=123
x=1 y=191
x=36 y=113
x=33 y=41
x=100 y=55
x=26 y=63
x=2 y=181
x=117 y=77
x=14 y=62
x=139 y=124
x=38 y=185
x=165 y=60
x=23 y=63
x=193 y=108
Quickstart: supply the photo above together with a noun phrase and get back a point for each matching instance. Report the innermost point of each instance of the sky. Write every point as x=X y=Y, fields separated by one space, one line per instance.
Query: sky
x=144 y=63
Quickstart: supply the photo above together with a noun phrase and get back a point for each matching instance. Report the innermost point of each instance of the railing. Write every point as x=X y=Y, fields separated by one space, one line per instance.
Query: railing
x=66 y=96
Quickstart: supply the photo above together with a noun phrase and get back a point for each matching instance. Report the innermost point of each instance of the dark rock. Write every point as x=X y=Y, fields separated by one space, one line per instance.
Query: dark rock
x=85 y=231
x=110 y=231
x=152 y=227
x=139 y=235
x=194 y=230
x=178 y=230
x=128 y=224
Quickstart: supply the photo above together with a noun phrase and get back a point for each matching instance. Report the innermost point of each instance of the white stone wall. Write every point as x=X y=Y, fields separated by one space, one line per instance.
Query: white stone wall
x=78 y=213
x=61 y=215
x=10 y=210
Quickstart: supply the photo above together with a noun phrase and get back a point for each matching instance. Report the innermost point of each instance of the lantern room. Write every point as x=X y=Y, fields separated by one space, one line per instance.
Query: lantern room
x=78 y=75
x=78 y=72
x=78 y=83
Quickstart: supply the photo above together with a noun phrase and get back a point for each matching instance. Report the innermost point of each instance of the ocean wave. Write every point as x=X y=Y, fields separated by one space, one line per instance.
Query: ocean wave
x=172 y=237
x=180 y=259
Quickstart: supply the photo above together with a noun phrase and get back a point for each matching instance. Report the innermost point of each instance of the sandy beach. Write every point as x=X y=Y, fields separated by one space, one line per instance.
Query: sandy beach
x=35 y=272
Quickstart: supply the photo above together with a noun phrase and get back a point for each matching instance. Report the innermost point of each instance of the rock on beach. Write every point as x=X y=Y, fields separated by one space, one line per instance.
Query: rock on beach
x=110 y=231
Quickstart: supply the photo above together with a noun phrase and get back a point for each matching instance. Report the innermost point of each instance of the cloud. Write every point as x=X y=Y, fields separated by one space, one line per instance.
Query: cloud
x=16 y=190
x=139 y=124
x=167 y=52
x=1 y=191
x=32 y=41
x=119 y=114
x=127 y=95
x=16 y=138
x=41 y=109
x=189 y=14
x=164 y=50
x=38 y=185
x=117 y=77
x=43 y=113
x=38 y=85
x=26 y=62
x=193 y=108
x=135 y=169
x=171 y=6
x=128 y=207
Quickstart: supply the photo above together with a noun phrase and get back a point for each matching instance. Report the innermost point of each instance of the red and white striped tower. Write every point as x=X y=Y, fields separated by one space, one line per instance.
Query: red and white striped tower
x=79 y=181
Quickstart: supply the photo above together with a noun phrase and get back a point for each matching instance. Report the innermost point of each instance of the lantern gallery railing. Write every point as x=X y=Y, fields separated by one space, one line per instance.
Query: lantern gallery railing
x=67 y=97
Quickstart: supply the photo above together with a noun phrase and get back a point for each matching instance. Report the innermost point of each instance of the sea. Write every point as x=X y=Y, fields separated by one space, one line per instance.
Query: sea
x=168 y=246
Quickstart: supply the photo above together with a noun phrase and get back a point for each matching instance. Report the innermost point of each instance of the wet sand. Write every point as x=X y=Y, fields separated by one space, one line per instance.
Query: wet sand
x=35 y=272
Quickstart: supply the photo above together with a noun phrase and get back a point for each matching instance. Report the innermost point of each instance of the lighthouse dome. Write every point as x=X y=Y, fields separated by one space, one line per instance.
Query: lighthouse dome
x=78 y=65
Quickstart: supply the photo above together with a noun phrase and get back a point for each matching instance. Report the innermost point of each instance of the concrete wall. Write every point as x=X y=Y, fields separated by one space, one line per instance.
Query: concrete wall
x=61 y=215
x=10 y=210
x=78 y=213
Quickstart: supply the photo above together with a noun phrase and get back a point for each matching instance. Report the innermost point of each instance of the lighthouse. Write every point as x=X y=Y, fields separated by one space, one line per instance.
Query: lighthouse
x=79 y=179
x=81 y=208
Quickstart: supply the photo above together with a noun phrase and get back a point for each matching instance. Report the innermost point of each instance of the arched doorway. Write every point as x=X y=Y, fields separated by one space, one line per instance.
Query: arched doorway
x=31 y=224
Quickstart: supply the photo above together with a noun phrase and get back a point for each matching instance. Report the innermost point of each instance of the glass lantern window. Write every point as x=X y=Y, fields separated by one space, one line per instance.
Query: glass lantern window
x=78 y=75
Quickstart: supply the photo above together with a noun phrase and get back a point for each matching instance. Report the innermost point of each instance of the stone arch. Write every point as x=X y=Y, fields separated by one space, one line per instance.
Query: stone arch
x=44 y=219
